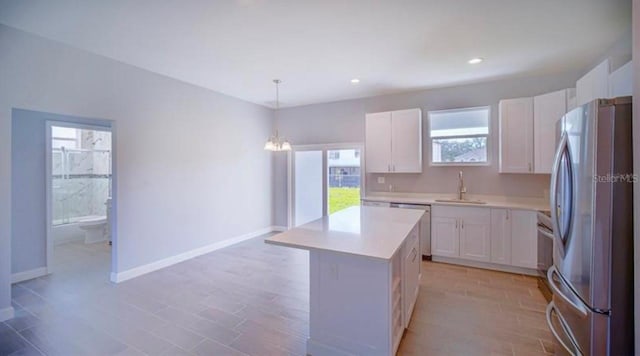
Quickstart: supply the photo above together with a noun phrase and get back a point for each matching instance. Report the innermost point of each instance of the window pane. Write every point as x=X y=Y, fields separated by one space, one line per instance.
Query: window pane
x=462 y=122
x=472 y=150
x=343 y=167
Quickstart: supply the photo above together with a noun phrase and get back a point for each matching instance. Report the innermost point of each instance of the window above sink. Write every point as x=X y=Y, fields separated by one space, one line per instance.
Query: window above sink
x=459 y=137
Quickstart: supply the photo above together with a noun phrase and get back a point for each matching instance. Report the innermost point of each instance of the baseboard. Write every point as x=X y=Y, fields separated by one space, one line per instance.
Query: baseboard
x=30 y=274
x=166 y=262
x=279 y=228
x=6 y=314
x=486 y=265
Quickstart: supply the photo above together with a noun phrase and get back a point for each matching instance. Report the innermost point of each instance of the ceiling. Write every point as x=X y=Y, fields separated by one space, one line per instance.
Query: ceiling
x=316 y=47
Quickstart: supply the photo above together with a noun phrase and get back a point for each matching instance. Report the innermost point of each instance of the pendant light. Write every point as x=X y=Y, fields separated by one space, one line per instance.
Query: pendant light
x=277 y=143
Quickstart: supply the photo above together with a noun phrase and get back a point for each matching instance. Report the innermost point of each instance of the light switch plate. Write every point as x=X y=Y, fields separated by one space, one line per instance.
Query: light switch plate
x=380 y=180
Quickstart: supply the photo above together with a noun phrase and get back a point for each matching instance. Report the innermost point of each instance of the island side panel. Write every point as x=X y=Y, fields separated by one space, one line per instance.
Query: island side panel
x=349 y=305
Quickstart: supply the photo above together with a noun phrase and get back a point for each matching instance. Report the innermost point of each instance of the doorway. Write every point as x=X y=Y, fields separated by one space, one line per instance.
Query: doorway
x=79 y=188
x=324 y=179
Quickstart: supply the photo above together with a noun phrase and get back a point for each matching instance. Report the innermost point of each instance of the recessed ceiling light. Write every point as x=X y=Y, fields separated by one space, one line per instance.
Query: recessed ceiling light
x=355 y=81
x=476 y=60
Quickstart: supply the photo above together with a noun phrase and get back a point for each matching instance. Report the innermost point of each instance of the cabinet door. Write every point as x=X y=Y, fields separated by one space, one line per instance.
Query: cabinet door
x=475 y=237
x=516 y=135
x=378 y=142
x=406 y=141
x=444 y=236
x=411 y=276
x=621 y=81
x=547 y=110
x=593 y=85
x=524 y=238
x=500 y=236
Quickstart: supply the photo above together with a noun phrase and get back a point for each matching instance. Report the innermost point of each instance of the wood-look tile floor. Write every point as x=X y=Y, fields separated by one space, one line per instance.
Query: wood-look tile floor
x=252 y=299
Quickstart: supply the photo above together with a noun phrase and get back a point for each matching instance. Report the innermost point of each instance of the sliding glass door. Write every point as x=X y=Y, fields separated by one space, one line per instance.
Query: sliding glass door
x=324 y=179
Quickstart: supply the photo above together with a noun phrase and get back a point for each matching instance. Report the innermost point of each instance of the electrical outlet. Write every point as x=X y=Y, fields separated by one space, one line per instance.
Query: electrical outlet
x=380 y=180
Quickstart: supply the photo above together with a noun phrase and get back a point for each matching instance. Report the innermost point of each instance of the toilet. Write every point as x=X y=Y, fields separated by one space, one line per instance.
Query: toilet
x=94 y=228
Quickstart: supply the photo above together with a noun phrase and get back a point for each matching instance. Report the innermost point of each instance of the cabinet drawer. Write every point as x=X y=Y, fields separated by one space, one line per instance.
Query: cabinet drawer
x=411 y=242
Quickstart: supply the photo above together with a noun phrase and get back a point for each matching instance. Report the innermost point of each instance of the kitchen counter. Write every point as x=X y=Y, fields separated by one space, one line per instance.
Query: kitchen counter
x=364 y=231
x=493 y=201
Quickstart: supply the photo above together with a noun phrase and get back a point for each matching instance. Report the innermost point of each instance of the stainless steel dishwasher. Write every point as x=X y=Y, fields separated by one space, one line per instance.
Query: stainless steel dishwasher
x=425 y=226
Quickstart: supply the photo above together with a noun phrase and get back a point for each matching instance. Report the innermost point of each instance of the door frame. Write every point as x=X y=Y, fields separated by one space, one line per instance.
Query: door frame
x=324 y=148
x=49 y=186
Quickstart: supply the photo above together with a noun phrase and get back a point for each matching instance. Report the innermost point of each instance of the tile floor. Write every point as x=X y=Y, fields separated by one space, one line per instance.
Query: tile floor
x=252 y=299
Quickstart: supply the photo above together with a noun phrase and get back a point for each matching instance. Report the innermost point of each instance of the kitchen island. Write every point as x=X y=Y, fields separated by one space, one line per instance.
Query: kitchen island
x=364 y=278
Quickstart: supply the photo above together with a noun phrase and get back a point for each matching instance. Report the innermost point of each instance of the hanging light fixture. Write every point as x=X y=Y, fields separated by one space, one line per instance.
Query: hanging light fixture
x=277 y=143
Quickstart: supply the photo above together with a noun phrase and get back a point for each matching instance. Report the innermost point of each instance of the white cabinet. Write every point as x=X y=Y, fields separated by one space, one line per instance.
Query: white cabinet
x=491 y=235
x=528 y=131
x=461 y=232
x=524 y=240
x=621 y=81
x=500 y=236
x=547 y=110
x=475 y=234
x=593 y=85
x=516 y=135
x=411 y=280
x=444 y=236
x=378 y=142
x=393 y=141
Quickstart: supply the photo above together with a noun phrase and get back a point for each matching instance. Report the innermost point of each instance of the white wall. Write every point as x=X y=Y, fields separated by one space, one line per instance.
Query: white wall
x=190 y=167
x=344 y=122
x=636 y=162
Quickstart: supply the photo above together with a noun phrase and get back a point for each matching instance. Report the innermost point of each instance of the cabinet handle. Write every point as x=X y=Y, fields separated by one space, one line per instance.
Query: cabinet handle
x=507 y=214
x=529 y=166
x=415 y=254
x=389 y=168
x=462 y=224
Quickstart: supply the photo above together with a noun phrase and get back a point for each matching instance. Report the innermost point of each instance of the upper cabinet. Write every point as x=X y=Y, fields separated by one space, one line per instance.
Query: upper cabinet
x=516 y=135
x=528 y=131
x=593 y=85
x=393 y=141
x=621 y=81
x=547 y=110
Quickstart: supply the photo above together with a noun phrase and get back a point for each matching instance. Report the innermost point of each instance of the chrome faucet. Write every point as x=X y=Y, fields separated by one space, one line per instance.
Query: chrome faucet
x=461 y=188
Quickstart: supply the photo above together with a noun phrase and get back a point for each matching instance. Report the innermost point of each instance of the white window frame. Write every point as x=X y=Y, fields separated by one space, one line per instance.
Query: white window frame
x=457 y=164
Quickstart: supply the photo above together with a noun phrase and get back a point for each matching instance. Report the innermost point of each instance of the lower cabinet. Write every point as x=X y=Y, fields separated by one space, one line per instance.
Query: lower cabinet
x=499 y=236
x=475 y=234
x=444 y=236
x=461 y=232
x=524 y=238
x=411 y=264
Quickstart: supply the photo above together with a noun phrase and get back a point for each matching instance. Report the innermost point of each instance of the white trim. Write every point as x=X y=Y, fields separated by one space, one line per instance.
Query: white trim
x=30 y=274
x=486 y=265
x=166 y=262
x=6 y=314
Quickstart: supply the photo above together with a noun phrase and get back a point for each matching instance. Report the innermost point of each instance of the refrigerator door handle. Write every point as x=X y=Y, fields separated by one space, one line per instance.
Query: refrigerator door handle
x=551 y=307
x=557 y=292
x=555 y=175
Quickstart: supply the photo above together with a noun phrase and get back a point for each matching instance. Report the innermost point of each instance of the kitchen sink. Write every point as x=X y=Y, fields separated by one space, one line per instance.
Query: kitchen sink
x=461 y=201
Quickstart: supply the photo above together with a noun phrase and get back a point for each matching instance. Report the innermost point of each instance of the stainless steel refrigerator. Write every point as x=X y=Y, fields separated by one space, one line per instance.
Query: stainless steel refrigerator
x=591 y=211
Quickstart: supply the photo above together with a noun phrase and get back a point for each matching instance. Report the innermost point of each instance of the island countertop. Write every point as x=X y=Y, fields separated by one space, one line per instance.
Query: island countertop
x=375 y=232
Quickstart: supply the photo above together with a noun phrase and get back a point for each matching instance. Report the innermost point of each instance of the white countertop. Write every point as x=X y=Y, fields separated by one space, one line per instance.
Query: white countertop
x=364 y=231
x=493 y=201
